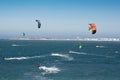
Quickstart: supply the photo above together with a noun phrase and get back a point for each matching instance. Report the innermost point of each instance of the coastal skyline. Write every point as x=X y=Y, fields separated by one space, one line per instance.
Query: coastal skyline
x=59 y=18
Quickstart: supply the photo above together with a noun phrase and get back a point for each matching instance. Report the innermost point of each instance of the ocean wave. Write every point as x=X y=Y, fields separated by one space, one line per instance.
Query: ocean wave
x=78 y=52
x=100 y=46
x=62 y=55
x=74 y=52
x=17 y=45
x=116 y=51
x=38 y=77
x=49 y=69
x=22 y=58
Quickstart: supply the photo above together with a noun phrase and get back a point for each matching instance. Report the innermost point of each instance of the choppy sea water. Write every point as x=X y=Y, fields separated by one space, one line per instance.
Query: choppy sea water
x=59 y=60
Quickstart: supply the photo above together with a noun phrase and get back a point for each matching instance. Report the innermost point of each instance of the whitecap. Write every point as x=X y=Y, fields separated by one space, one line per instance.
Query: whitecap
x=21 y=58
x=49 y=69
x=62 y=55
x=78 y=52
x=16 y=45
x=100 y=46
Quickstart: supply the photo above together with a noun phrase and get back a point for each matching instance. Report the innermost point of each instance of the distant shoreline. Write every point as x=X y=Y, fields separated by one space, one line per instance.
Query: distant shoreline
x=65 y=39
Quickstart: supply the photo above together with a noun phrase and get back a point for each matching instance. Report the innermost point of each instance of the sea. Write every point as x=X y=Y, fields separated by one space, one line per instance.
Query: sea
x=59 y=60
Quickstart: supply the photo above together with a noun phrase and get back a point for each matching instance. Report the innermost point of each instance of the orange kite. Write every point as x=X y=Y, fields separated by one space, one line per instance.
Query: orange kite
x=93 y=27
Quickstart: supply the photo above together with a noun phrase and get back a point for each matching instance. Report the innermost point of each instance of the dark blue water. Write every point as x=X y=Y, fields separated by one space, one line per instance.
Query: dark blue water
x=59 y=60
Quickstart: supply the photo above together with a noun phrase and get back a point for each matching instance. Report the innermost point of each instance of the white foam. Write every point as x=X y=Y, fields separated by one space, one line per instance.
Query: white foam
x=21 y=58
x=90 y=54
x=100 y=46
x=77 y=52
x=62 y=55
x=14 y=45
x=49 y=69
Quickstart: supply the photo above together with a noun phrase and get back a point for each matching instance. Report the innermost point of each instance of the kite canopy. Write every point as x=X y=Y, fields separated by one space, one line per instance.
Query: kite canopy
x=39 y=24
x=93 y=28
x=80 y=45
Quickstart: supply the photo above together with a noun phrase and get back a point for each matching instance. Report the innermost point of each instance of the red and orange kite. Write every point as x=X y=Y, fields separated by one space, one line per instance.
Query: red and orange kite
x=93 y=28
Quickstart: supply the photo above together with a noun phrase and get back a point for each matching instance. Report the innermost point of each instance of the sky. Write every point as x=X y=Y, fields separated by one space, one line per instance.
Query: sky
x=62 y=18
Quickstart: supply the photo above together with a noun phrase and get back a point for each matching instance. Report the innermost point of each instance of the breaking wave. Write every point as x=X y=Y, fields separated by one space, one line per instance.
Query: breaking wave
x=62 y=55
x=82 y=53
x=22 y=58
x=49 y=69
x=17 y=45
x=77 y=52
x=100 y=46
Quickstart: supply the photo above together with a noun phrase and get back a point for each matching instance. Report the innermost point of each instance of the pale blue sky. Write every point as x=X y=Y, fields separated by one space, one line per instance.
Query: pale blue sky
x=59 y=17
